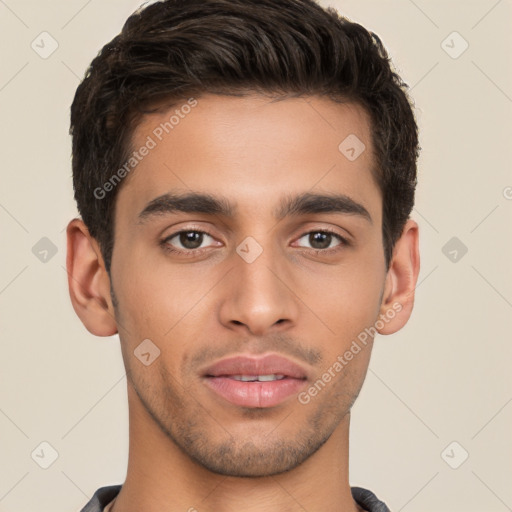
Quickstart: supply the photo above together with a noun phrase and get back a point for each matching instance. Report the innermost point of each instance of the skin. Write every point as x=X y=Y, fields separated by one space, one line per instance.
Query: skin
x=189 y=447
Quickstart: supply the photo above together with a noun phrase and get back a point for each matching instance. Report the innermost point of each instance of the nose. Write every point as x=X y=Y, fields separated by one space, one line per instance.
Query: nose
x=259 y=296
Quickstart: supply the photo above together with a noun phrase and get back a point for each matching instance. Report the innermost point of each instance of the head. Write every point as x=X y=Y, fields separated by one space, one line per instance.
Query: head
x=231 y=120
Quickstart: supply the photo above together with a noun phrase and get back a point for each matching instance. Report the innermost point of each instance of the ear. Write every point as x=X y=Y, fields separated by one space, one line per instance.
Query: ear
x=398 y=296
x=88 y=281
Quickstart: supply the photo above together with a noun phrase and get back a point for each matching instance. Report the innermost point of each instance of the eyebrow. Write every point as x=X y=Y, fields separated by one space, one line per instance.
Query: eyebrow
x=306 y=203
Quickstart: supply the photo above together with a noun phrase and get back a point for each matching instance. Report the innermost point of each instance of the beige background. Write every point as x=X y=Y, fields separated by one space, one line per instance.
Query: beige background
x=445 y=377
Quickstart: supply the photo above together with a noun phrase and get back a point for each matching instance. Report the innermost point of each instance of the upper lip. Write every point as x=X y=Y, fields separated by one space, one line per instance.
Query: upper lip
x=253 y=365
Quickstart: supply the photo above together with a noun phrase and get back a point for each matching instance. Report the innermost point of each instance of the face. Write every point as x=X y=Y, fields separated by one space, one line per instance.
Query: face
x=260 y=267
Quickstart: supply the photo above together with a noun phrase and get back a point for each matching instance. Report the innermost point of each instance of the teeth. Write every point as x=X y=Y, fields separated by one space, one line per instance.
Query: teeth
x=266 y=378
x=260 y=378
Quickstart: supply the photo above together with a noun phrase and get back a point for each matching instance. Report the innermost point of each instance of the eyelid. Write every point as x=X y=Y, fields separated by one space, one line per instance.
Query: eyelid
x=191 y=227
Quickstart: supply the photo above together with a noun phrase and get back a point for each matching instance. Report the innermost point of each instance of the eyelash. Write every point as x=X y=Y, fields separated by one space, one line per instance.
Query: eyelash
x=197 y=252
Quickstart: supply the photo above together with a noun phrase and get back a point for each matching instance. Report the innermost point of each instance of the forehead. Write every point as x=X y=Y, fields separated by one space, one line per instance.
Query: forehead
x=253 y=149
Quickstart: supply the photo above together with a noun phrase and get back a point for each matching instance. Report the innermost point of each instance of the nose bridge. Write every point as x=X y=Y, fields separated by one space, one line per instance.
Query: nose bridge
x=258 y=296
x=258 y=265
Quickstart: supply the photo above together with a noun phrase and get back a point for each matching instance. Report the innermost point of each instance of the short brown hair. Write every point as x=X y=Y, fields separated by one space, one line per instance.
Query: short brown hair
x=175 y=49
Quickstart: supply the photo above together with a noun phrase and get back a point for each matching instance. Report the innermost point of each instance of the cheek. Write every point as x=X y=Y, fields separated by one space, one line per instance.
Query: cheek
x=347 y=300
x=162 y=306
x=157 y=299
x=150 y=296
x=346 y=297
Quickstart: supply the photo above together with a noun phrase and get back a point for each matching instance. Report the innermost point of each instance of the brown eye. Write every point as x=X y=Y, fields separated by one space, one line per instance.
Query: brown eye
x=186 y=240
x=322 y=240
x=190 y=239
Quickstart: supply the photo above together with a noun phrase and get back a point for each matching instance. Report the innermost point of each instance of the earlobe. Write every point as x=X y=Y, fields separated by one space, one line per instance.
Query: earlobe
x=398 y=297
x=88 y=281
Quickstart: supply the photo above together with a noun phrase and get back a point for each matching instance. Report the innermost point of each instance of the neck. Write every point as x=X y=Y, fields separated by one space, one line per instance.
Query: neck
x=162 y=478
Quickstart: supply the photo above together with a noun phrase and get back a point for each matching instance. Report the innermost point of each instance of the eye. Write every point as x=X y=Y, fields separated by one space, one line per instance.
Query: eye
x=186 y=241
x=321 y=240
x=189 y=242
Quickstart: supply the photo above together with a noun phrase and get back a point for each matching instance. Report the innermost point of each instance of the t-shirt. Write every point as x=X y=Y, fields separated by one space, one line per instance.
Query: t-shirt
x=104 y=496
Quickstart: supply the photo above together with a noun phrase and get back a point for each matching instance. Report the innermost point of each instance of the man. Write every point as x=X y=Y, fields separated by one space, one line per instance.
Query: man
x=245 y=171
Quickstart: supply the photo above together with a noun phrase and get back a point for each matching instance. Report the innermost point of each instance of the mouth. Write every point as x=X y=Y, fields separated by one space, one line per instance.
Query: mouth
x=254 y=378
x=255 y=382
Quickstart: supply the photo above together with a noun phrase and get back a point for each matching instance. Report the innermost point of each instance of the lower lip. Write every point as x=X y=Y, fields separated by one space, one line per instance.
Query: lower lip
x=255 y=394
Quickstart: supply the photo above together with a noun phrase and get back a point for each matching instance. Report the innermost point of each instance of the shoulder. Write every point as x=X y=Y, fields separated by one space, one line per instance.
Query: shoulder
x=368 y=500
x=102 y=497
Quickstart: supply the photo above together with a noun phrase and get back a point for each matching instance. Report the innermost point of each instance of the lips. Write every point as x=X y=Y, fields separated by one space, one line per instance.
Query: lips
x=250 y=381
x=250 y=365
